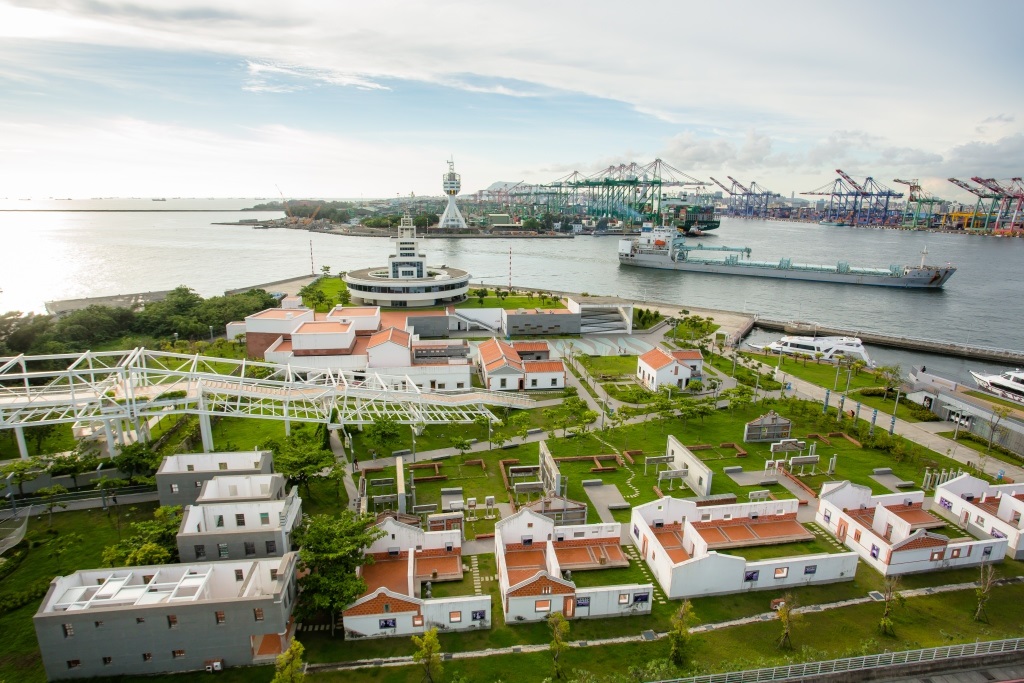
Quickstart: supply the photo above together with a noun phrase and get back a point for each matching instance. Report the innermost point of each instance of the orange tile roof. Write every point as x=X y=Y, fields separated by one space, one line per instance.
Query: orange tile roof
x=322 y=327
x=688 y=354
x=657 y=359
x=494 y=353
x=391 y=334
x=923 y=542
x=544 y=366
x=530 y=346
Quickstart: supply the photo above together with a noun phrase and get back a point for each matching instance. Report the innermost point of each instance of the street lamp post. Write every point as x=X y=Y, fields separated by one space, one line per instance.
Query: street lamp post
x=413 y=428
x=835 y=385
x=211 y=334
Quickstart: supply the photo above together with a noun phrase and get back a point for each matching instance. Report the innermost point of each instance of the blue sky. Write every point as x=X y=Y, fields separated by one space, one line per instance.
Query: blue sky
x=349 y=99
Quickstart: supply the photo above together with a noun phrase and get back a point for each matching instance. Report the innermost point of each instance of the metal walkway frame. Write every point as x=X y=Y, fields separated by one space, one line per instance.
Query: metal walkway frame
x=112 y=388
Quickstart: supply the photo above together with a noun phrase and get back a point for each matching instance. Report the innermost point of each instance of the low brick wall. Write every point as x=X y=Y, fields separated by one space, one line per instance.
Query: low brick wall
x=789 y=475
x=846 y=436
x=740 y=453
x=433 y=477
x=479 y=462
x=699 y=447
x=820 y=437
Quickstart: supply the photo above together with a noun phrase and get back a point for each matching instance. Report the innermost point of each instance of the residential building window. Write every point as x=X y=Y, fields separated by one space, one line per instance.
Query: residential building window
x=219 y=616
x=140 y=620
x=190 y=468
x=250 y=548
x=828 y=516
x=174 y=488
x=273 y=572
x=954 y=553
x=240 y=519
x=258 y=613
x=856 y=535
x=69 y=630
x=98 y=624
x=454 y=617
x=199 y=484
x=986 y=551
x=874 y=551
x=239 y=575
x=222 y=550
x=781 y=572
x=222 y=465
x=417 y=620
x=107 y=661
x=542 y=606
x=265 y=518
x=74 y=663
x=219 y=521
x=147 y=656
x=271 y=549
x=172 y=621
x=811 y=569
x=979 y=520
x=200 y=552
x=623 y=598
x=751 y=576
x=177 y=654
x=937 y=555
x=554 y=381
x=460 y=385
x=533 y=382
x=503 y=382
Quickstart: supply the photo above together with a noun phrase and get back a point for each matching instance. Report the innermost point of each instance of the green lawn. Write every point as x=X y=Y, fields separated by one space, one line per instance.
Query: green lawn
x=903 y=410
x=980 y=445
x=246 y=434
x=815 y=546
x=604 y=367
x=509 y=303
x=823 y=374
x=686 y=331
x=56 y=439
x=994 y=399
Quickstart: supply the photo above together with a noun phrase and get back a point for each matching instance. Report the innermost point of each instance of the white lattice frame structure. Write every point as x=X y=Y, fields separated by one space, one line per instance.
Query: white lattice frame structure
x=134 y=385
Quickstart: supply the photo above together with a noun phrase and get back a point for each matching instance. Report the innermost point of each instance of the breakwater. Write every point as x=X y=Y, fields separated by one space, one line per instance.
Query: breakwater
x=944 y=348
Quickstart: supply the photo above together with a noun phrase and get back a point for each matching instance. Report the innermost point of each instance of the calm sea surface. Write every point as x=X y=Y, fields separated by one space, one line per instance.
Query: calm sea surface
x=65 y=254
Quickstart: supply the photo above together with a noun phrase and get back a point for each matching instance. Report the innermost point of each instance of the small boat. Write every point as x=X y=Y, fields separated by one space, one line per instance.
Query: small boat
x=1008 y=385
x=832 y=349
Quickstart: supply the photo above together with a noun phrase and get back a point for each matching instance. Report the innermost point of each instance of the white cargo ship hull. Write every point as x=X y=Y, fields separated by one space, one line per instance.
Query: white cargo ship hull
x=912 y=277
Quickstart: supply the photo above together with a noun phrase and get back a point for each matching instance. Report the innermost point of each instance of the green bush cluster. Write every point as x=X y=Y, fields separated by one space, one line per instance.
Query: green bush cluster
x=644 y=318
x=17 y=599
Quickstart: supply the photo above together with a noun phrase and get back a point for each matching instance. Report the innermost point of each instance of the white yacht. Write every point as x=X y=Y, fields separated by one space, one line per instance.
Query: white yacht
x=1007 y=385
x=831 y=348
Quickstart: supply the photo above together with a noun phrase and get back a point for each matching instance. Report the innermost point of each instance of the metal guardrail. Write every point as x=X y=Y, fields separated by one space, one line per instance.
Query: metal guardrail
x=811 y=670
x=38 y=502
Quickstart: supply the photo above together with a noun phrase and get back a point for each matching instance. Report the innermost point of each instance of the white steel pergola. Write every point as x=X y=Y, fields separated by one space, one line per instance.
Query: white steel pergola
x=110 y=389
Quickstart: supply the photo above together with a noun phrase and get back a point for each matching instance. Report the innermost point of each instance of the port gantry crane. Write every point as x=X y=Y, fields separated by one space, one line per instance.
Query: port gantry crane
x=845 y=196
x=760 y=198
x=1012 y=196
x=920 y=207
x=971 y=222
x=733 y=198
x=876 y=198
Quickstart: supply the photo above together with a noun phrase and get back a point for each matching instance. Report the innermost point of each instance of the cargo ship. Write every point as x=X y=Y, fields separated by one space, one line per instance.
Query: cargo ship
x=667 y=250
x=688 y=219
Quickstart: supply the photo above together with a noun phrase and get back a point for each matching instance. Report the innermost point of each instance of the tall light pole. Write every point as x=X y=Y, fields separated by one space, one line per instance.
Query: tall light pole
x=211 y=334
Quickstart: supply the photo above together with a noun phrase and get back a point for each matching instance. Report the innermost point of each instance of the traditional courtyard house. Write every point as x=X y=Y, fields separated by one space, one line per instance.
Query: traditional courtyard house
x=536 y=559
x=181 y=477
x=987 y=510
x=695 y=549
x=135 y=621
x=660 y=368
x=407 y=562
x=893 y=534
x=235 y=530
x=504 y=369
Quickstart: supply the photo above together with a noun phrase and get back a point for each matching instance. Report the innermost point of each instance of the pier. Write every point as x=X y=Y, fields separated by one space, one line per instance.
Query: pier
x=940 y=347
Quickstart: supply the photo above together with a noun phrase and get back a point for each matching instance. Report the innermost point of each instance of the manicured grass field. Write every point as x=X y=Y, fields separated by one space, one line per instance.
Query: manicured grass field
x=964 y=439
x=903 y=411
x=995 y=399
x=509 y=303
x=246 y=434
x=58 y=440
x=602 y=367
x=823 y=374
x=770 y=552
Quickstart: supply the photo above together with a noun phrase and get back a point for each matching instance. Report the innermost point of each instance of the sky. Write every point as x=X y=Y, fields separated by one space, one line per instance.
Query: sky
x=248 y=98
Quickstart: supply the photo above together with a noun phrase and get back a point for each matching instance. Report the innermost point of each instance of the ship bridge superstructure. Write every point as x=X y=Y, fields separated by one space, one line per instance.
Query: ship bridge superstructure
x=120 y=391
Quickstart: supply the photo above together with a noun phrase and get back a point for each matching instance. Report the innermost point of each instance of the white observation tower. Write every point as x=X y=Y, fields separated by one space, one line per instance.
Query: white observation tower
x=452 y=184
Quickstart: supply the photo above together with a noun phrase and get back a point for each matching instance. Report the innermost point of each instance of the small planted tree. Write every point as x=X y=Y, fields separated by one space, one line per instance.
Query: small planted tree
x=680 y=639
x=383 y=434
x=559 y=641
x=51 y=495
x=892 y=599
x=787 y=619
x=21 y=471
x=289 y=667
x=983 y=591
x=63 y=544
x=428 y=655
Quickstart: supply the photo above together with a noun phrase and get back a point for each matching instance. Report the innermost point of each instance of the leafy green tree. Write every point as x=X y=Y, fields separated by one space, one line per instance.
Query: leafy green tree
x=82 y=459
x=891 y=599
x=21 y=471
x=301 y=458
x=61 y=545
x=136 y=460
x=681 y=643
x=520 y=425
x=428 y=655
x=151 y=541
x=531 y=223
x=289 y=667
x=461 y=444
x=383 y=434
x=50 y=496
x=344 y=296
x=891 y=376
x=40 y=433
x=559 y=628
x=480 y=294
x=330 y=550
x=325 y=270
x=999 y=413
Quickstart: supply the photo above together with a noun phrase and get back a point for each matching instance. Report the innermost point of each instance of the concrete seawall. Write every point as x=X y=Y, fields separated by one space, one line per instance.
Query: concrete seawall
x=910 y=343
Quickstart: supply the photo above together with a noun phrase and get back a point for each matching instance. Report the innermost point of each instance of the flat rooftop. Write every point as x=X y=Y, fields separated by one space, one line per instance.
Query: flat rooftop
x=280 y=313
x=213 y=462
x=382 y=274
x=322 y=327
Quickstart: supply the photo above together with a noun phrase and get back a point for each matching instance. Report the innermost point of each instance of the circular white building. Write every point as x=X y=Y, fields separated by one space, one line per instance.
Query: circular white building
x=407 y=281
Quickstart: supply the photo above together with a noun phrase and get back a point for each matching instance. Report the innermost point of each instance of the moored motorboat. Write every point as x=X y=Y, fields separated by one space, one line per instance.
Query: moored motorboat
x=1009 y=385
x=831 y=349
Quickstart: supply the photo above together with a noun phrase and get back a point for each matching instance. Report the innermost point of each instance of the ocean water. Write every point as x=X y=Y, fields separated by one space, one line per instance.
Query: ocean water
x=59 y=254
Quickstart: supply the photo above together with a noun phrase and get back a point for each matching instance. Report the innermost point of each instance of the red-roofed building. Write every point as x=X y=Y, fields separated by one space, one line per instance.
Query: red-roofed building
x=658 y=368
x=892 y=532
x=503 y=369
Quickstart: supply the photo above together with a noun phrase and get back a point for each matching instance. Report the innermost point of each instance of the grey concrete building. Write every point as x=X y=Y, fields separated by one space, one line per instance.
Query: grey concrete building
x=243 y=487
x=180 y=477
x=232 y=531
x=166 y=618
